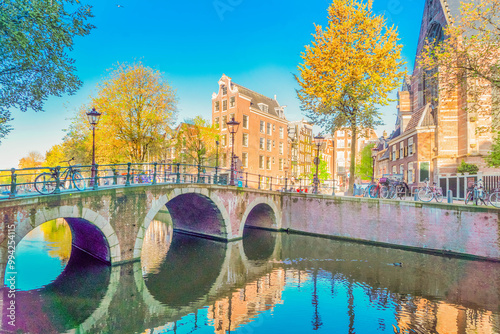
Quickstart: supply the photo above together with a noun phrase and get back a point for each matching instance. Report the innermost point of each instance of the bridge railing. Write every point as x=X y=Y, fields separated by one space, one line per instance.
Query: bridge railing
x=28 y=182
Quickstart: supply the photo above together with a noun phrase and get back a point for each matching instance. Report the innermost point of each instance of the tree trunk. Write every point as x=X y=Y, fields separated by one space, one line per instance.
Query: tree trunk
x=352 y=167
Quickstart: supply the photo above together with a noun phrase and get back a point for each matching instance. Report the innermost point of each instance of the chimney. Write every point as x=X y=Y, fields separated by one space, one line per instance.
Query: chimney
x=384 y=134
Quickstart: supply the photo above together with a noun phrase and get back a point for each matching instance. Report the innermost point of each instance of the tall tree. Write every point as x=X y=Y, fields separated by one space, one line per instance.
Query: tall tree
x=32 y=160
x=195 y=141
x=322 y=171
x=138 y=108
x=467 y=57
x=35 y=37
x=493 y=159
x=351 y=67
x=364 y=169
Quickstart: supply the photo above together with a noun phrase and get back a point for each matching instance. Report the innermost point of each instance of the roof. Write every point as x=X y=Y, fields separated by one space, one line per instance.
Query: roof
x=257 y=98
x=421 y=118
x=386 y=155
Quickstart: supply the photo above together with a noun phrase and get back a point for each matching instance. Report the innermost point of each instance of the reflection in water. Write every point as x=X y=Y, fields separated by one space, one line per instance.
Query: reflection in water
x=157 y=240
x=42 y=255
x=268 y=283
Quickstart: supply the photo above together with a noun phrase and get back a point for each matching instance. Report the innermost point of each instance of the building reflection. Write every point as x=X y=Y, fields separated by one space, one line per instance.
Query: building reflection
x=245 y=304
x=57 y=234
x=427 y=316
x=157 y=241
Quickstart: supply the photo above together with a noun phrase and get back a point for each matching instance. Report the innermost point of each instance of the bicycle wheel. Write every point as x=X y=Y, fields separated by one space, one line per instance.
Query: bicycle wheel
x=79 y=181
x=438 y=195
x=384 y=192
x=45 y=183
x=468 y=198
x=495 y=199
x=425 y=194
x=373 y=191
x=392 y=192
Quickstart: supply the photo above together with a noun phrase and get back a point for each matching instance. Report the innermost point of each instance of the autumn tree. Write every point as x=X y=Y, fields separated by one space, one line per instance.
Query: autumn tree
x=350 y=68
x=364 y=168
x=32 y=160
x=138 y=108
x=493 y=159
x=35 y=37
x=195 y=141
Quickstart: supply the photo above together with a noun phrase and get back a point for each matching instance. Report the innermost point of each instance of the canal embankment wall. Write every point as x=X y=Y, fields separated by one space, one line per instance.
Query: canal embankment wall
x=432 y=227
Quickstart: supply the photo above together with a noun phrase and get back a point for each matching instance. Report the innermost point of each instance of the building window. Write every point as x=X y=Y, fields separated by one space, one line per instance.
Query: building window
x=269 y=145
x=244 y=159
x=264 y=107
x=410 y=172
x=274 y=127
x=232 y=102
x=245 y=139
x=224 y=158
x=217 y=105
x=401 y=170
x=281 y=148
x=223 y=140
x=394 y=170
x=216 y=123
x=224 y=90
x=262 y=145
x=268 y=163
x=340 y=133
x=281 y=132
x=262 y=127
x=231 y=117
x=340 y=143
x=393 y=153
x=224 y=105
x=269 y=129
x=261 y=161
x=224 y=122
x=245 y=121
x=401 y=150
x=281 y=163
x=424 y=170
x=410 y=146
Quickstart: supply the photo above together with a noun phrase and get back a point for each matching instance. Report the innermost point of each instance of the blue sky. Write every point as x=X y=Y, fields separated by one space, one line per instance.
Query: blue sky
x=255 y=42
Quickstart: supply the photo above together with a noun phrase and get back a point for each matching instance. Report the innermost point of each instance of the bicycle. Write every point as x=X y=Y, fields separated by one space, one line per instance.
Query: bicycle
x=380 y=190
x=495 y=197
x=476 y=193
x=427 y=193
x=46 y=183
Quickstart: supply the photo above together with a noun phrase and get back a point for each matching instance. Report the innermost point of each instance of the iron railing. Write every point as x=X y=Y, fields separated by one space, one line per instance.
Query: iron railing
x=16 y=183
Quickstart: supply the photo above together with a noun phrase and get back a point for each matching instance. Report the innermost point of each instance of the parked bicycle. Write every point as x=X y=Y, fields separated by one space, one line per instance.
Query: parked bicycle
x=477 y=194
x=427 y=193
x=398 y=189
x=495 y=197
x=380 y=190
x=46 y=183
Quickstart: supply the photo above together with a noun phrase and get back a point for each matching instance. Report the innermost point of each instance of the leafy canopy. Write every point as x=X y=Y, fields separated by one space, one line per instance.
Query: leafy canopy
x=350 y=68
x=365 y=166
x=35 y=37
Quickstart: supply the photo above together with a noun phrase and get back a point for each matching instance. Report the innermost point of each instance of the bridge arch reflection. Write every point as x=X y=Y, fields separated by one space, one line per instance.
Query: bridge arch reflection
x=262 y=213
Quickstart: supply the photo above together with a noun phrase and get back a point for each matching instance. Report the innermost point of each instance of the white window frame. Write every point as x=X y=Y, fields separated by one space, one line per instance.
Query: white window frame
x=245 y=120
x=245 y=139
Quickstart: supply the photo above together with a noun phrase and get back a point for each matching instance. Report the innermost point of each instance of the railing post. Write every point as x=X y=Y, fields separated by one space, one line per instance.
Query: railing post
x=271 y=184
x=155 y=165
x=164 y=173
x=115 y=176
x=96 y=178
x=286 y=184
x=199 y=170
x=127 y=182
x=178 y=176
x=259 y=182
x=58 y=180
x=216 y=173
x=246 y=180
x=13 y=179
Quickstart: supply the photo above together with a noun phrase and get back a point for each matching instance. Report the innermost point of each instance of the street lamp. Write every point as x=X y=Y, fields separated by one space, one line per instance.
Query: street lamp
x=216 y=160
x=318 y=140
x=93 y=117
x=233 y=128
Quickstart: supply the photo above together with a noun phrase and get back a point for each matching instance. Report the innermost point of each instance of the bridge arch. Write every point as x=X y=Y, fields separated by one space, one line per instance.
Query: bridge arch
x=184 y=195
x=261 y=208
x=73 y=216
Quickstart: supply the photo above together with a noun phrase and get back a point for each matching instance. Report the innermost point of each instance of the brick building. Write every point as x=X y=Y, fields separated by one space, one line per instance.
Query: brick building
x=261 y=141
x=301 y=144
x=434 y=131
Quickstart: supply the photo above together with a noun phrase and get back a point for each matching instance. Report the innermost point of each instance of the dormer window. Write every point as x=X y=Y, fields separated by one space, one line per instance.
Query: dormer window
x=264 y=107
x=224 y=90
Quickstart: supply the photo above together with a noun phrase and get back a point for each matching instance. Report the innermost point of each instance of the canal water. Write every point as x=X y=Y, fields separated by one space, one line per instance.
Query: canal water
x=267 y=283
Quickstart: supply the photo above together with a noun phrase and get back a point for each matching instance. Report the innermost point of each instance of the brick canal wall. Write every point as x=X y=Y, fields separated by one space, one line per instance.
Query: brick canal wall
x=450 y=229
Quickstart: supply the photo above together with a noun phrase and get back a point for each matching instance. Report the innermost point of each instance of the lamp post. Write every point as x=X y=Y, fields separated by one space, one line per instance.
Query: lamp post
x=318 y=140
x=233 y=128
x=216 y=161
x=93 y=117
